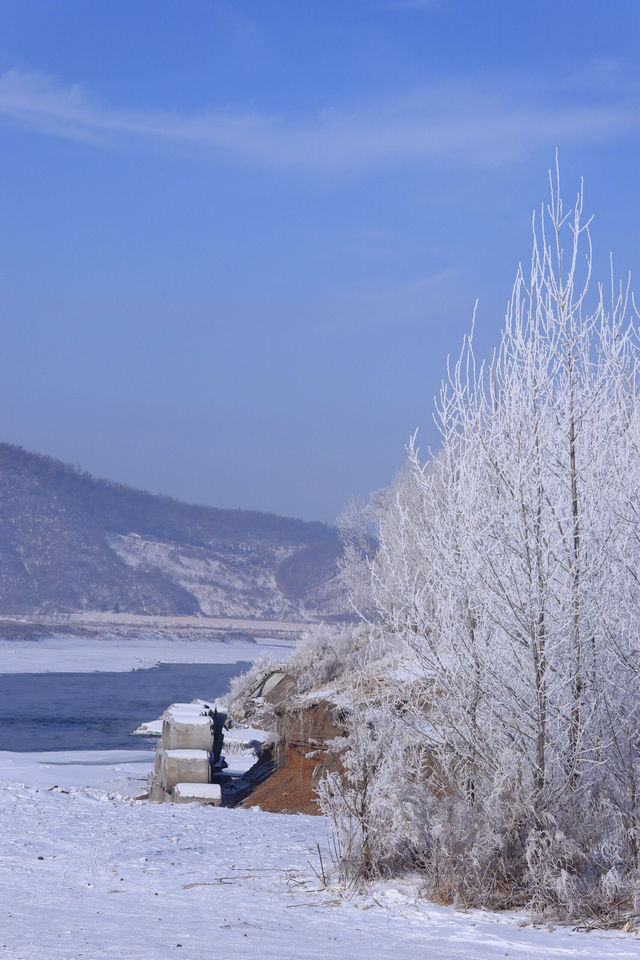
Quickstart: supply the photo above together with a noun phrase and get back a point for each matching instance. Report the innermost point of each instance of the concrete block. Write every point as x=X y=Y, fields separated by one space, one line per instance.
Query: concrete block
x=209 y=793
x=183 y=766
x=157 y=793
x=183 y=732
x=243 y=739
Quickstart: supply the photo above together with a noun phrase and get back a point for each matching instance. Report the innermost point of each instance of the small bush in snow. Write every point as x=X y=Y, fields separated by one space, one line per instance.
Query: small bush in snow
x=325 y=652
x=375 y=805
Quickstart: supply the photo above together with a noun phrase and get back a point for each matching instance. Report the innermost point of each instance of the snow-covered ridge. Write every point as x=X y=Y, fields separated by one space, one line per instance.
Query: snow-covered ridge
x=72 y=543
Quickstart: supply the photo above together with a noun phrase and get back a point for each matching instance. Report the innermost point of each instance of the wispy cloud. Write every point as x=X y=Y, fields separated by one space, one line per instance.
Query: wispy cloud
x=454 y=122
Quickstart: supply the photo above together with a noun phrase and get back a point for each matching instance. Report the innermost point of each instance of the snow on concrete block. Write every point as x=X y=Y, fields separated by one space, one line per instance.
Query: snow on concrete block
x=183 y=766
x=195 y=708
x=197 y=793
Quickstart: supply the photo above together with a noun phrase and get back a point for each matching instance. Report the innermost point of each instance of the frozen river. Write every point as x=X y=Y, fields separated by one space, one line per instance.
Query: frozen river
x=98 y=711
x=65 y=692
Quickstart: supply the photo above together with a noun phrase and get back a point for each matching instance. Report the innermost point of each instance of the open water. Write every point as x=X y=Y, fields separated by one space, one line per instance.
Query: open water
x=98 y=711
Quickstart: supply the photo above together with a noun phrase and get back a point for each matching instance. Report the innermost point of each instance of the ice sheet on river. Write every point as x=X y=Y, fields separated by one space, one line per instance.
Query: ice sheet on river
x=64 y=653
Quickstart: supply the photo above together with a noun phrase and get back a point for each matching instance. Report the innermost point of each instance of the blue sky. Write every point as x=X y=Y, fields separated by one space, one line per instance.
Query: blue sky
x=240 y=238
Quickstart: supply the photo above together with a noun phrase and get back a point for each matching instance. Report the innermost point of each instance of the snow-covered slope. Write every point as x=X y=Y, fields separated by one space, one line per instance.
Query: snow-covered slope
x=237 y=585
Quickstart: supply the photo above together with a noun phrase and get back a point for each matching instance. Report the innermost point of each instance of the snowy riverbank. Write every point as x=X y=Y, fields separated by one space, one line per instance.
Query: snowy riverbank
x=85 y=876
x=88 y=873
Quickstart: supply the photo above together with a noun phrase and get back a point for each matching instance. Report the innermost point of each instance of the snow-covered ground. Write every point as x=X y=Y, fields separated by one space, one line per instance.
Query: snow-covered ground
x=64 y=653
x=85 y=875
x=121 y=772
x=88 y=873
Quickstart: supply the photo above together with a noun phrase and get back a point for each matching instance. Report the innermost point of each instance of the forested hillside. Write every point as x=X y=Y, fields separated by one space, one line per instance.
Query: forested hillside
x=70 y=542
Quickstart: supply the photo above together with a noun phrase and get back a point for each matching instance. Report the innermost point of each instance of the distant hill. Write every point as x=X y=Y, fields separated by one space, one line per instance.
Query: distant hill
x=70 y=542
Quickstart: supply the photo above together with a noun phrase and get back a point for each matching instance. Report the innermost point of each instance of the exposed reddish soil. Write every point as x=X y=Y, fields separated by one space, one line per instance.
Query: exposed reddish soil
x=301 y=757
x=289 y=789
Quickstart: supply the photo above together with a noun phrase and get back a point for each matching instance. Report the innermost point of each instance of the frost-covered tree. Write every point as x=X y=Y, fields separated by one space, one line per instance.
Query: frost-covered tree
x=508 y=565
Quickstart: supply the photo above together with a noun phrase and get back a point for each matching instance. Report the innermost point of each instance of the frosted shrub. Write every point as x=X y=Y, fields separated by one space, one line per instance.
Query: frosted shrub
x=553 y=866
x=325 y=652
x=242 y=685
x=375 y=805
